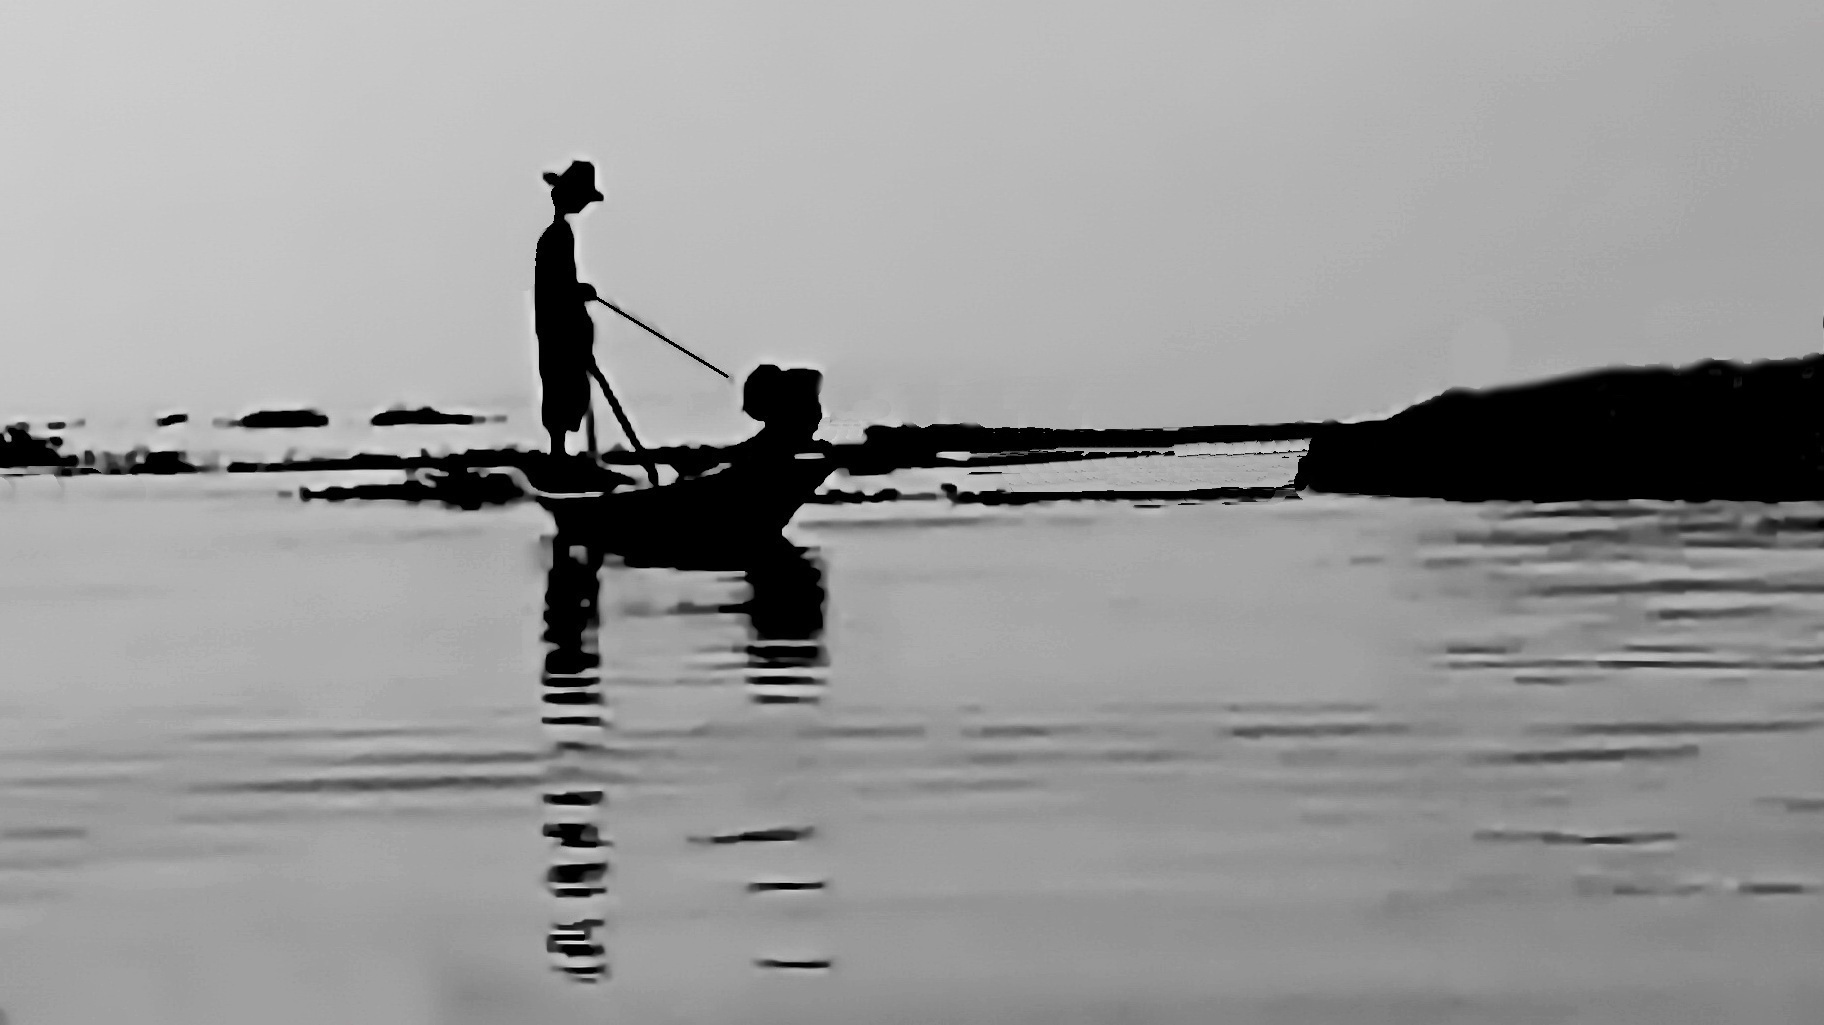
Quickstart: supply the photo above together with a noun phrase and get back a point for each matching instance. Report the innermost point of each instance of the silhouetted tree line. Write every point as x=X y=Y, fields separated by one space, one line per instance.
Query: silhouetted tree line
x=976 y=438
x=19 y=447
x=1714 y=430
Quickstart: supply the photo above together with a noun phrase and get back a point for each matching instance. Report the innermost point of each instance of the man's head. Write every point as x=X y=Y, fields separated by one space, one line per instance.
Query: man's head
x=784 y=397
x=575 y=188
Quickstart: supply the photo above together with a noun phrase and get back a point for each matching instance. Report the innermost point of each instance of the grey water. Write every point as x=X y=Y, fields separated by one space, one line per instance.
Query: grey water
x=1330 y=760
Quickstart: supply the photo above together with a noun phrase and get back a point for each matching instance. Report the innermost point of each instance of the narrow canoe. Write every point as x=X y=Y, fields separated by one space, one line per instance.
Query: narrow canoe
x=719 y=515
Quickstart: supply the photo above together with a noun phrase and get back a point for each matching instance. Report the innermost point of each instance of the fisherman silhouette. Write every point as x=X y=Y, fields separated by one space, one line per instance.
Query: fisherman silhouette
x=785 y=401
x=566 y=333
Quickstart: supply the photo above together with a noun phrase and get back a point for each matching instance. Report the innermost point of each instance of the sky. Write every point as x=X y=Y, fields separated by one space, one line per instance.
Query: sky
x=1050 y=212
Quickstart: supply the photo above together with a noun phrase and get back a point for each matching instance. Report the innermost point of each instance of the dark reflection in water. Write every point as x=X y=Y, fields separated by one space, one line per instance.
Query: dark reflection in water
x=785 y=664
x=576 y=720
x=786 y=661
x=786 y=674
x=1206 y=760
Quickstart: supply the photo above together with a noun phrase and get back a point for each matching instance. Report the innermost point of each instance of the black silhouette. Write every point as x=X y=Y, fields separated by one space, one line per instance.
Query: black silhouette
x=422 y=415
x=915 y=445
x=783 y=834
x=1716 y=430
x=19 y=447
x=163 y=462
x=1188 y=496
x=280 y=418
x=718 y=518
x=173 y=418
x=812 y=964
x=566 y=334
x=787 y=405
x=459 y=487
x=786 y=885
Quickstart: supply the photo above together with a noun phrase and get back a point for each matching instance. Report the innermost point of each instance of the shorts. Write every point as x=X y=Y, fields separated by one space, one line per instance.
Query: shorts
x=564 y=394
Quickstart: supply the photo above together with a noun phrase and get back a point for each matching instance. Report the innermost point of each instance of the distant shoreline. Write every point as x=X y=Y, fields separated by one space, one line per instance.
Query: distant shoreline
x=886 y=448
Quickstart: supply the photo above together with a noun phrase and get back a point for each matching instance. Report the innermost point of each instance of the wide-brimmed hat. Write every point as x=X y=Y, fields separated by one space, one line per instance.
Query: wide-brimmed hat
x=578 y=178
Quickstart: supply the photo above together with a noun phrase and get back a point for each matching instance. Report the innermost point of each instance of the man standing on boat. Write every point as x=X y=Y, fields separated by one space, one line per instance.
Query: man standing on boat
x=566 y=333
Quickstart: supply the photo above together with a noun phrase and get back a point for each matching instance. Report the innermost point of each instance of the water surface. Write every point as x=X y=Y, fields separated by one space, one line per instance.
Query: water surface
x=1338 y=760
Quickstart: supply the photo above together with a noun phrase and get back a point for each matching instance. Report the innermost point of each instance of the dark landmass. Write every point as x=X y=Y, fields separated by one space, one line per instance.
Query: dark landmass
x=461 y=479
x=278 y=418
x=137 y=460
x=162 y=462
x=869 y=458
x=173 y=418
x=422 y=415
x=1183 y=496
x=834 y=497
x=862 y=459
x=478 y=458
x=465 y=491
x=365 y=461
x=912 y=439
x=20 y=448
x=1712 y=431
x=472 y=487
x=140 y=460
x=887 y=449
x=451 y=478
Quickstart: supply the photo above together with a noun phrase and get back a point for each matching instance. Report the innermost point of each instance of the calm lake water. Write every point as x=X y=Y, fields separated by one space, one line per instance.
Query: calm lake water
x=1303 y=762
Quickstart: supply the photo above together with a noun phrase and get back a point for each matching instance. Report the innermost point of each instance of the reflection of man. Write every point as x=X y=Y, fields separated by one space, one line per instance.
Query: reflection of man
x=566 y=334
x=786 y=660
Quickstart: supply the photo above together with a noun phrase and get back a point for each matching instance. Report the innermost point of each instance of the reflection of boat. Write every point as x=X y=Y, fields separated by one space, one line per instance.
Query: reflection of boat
x=786 y=663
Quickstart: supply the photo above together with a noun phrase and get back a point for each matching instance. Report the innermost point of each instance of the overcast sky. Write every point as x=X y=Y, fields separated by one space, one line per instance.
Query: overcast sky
x=1121 y=213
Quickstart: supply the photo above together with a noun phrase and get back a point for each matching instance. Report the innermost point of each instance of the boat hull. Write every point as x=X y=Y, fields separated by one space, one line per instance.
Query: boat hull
x=719 y=516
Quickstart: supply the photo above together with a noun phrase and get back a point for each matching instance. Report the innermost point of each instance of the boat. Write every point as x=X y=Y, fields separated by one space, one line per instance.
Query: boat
x=719 y=520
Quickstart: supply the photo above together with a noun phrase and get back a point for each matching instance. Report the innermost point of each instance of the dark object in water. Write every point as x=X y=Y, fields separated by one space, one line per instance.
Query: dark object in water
x=277 y=418
x=470 y=489
x=914 y=441
x=163 y=462
x=405 y=491
x=1716 y=430
x=461 y=489
x=18 y=447
x=1183 y=497
x=422 y=415
x=170 y=419
x=575 y=797
x=721 y=517
x=784 y=834
x=785 y=886
x=855 y=497
x=714 y=518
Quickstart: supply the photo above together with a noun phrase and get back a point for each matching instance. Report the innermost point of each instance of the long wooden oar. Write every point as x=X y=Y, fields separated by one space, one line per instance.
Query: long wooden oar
x=652 y=468
x=655 y=333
